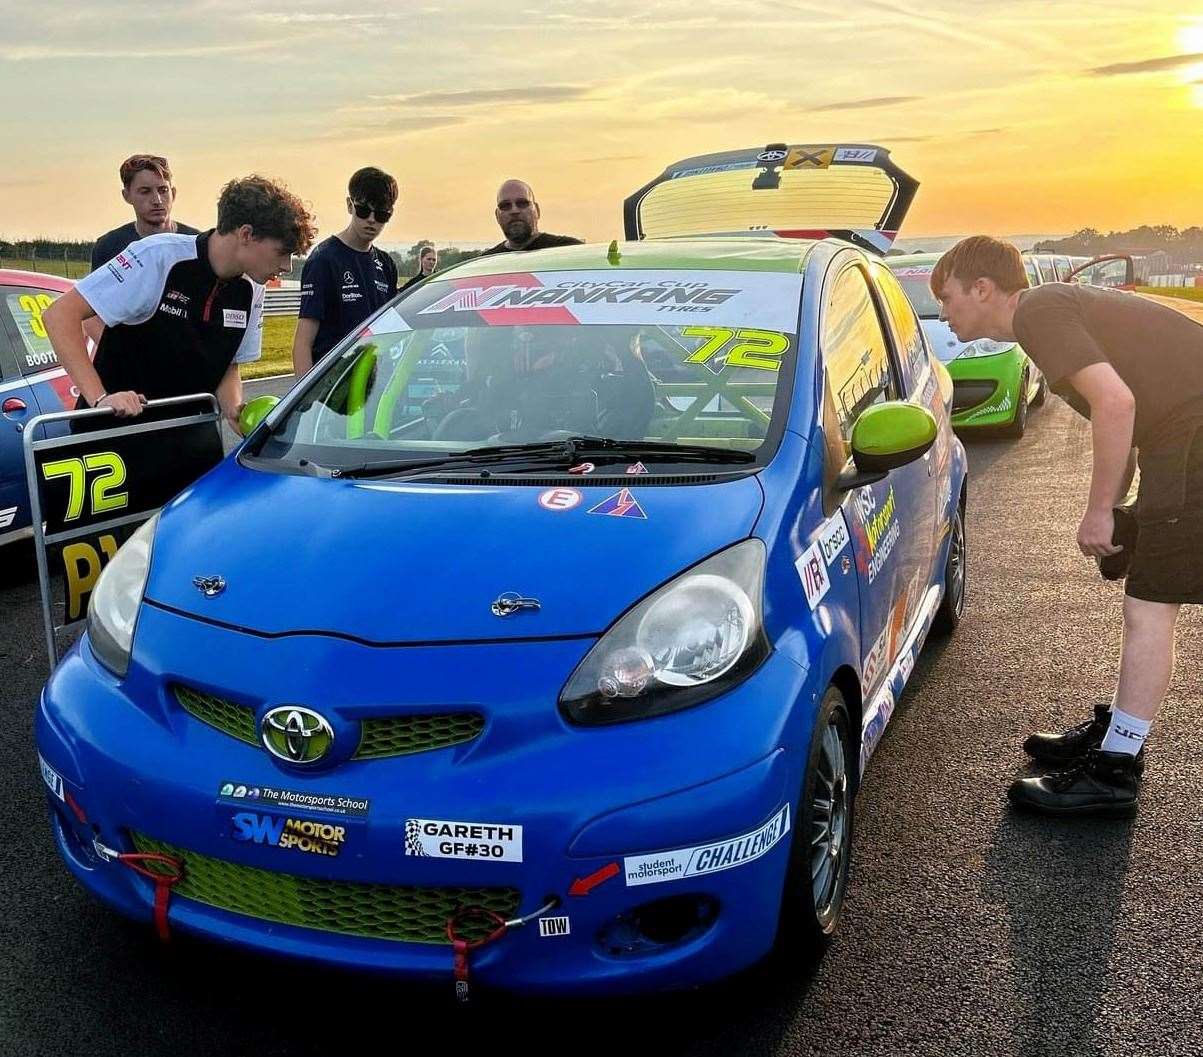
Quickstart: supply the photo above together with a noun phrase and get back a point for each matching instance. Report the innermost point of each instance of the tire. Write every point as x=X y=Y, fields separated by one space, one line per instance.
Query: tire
x=1041 y=396
x=952 y=606
x=1019 y=424
x=813 y=898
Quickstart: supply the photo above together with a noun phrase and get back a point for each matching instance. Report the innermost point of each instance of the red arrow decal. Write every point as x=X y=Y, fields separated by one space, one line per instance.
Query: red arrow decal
x=582 y=886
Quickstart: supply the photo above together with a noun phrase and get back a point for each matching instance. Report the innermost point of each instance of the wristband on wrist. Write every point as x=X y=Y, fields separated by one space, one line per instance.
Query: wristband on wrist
x=96 y=402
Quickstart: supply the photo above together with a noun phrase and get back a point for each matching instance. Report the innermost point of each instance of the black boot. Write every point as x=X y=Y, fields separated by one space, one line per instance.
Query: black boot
x=1064 y=750
x=1103 y=785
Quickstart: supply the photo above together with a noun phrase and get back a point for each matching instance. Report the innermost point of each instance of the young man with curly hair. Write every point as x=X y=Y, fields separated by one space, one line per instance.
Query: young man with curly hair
x=181 y=312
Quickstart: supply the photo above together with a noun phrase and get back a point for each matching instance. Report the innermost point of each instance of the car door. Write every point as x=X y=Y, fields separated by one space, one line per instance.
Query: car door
x=1114 y=270
x=891 y=521
x=33 y=384
x=17 y=406
x=920 y=383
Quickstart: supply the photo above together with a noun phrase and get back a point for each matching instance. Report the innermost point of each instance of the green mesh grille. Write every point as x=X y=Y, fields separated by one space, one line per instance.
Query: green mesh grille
x=416 y=915
x=399 y=735
x=386 y=736
x=235 y=720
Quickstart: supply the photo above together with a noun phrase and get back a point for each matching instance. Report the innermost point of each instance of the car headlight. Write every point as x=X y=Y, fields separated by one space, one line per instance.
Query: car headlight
x=695 y=637
x=113 y=610
x=985 y=347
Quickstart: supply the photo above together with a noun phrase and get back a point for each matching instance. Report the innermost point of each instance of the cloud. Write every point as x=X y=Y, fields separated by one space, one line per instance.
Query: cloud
x=1168 y=62
x=866 y=104
x=42 y=52
x=397 y=125
x=548 y=93
x=611 y=158
x=292 y=18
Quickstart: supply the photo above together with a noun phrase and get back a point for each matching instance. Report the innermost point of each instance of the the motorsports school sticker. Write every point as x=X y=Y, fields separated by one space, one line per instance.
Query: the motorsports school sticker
x=438 y=839
x=706 y=858
x=244 y=794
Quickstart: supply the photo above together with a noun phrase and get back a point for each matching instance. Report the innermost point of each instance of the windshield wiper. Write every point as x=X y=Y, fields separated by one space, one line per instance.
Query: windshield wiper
x=571 y=450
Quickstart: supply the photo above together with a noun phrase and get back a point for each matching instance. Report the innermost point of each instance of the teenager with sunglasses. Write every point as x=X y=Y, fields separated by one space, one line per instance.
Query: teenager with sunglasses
x=518 y=217
x=347 y=278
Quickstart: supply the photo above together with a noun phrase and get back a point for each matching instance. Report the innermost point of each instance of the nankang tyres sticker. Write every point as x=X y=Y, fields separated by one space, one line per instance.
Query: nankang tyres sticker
x=438 y=839
x=706 y=858
x=768 y=300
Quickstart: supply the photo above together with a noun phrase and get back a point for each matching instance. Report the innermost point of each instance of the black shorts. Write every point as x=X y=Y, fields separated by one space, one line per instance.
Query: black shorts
x=1168 y=564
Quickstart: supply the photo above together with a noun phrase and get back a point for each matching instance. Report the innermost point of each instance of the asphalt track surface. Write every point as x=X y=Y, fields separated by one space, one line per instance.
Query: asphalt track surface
x=968 y=929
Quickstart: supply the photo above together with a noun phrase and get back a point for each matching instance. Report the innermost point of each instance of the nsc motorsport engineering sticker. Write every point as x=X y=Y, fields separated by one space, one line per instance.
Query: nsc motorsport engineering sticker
x=878 y=530
x=706 y=858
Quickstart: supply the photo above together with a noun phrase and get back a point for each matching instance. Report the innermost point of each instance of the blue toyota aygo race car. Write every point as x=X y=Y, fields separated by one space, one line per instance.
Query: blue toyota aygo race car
x=546 y=629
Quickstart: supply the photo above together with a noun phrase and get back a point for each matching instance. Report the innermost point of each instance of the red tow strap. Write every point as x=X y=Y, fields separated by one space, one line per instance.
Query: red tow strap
x=164 y=882
x=462 y=948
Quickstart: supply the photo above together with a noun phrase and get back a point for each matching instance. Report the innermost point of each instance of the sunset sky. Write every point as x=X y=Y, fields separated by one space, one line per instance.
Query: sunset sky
x=1015 y=116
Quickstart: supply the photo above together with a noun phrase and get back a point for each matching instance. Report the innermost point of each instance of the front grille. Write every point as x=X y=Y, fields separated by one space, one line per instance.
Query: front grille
x=380 y=737
x=236 y=720
x=411 y=914
x=401 y=735
x=969 y=394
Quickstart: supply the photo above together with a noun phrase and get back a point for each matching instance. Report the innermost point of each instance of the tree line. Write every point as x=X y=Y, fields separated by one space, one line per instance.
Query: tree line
x=64 y=250
x=1183 y=247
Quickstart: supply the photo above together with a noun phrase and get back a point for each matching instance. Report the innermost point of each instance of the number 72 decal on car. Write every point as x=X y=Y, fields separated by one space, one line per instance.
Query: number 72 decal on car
x=761 y=349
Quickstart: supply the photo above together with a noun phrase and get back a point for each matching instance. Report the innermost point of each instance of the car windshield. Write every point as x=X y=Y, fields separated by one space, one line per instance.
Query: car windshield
x=25 y=306
x=915 y=280
x=663 y=361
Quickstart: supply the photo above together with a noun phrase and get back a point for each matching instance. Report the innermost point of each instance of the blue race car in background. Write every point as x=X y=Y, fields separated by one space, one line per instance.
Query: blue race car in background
x=558 y=612
x=31 y=383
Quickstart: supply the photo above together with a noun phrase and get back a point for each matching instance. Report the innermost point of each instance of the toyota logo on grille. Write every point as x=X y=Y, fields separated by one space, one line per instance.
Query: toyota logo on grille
x=296 y=734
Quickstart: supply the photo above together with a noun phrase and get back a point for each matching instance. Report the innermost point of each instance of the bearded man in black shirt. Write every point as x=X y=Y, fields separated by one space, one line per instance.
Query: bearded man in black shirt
x=518 y=217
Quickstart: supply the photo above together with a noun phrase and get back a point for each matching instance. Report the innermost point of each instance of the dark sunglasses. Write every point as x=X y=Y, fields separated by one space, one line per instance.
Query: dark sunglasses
x=505 y=205
x=363 y=211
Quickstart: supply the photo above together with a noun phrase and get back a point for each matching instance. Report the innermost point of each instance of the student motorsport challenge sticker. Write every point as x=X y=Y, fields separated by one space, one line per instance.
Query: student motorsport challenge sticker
x=706 y=858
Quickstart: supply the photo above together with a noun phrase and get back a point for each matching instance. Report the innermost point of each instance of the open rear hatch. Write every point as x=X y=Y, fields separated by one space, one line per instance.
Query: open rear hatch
x=851 y=191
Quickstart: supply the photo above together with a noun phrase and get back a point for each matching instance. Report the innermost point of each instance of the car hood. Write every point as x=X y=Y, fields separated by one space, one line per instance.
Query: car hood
x=396 y=562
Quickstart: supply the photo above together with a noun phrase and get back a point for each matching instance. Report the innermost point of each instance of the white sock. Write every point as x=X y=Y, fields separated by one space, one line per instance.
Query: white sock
x=1126 y=733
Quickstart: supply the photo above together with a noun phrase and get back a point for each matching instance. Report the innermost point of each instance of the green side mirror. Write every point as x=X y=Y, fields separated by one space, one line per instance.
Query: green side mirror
x=889 y=435
x=255 y=411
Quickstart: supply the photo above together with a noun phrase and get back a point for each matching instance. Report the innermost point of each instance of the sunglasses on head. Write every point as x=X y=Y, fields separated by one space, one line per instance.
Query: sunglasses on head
x=363 y=210
x=506 y=204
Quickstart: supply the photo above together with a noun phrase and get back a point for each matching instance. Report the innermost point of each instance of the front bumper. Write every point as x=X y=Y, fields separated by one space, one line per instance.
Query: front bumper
x=987 y=389
x=138 y=767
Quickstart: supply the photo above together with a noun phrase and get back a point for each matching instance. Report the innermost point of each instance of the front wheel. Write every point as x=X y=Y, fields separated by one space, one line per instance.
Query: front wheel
x=820 y=851
x=952 y=607
x=1019 y=423
x=1041 y=396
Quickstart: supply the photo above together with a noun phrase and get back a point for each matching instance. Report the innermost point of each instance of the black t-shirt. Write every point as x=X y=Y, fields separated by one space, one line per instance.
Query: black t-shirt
x=541 y=241
x=413 y=281
x=172 y=327
x=1157 y=351
x=341 y=287
x=113 y=242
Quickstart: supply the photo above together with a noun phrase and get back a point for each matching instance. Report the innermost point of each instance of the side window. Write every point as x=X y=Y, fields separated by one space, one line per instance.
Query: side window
x=908 y=336
x=24 y=308
x=855 y=351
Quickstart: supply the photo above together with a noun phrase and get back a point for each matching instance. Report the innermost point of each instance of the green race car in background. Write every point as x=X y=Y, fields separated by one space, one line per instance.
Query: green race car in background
x=994 y=382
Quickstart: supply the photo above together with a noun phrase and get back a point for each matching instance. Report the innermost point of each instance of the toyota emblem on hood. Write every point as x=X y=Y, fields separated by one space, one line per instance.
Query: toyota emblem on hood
x=296 y=734
x=209 y=586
